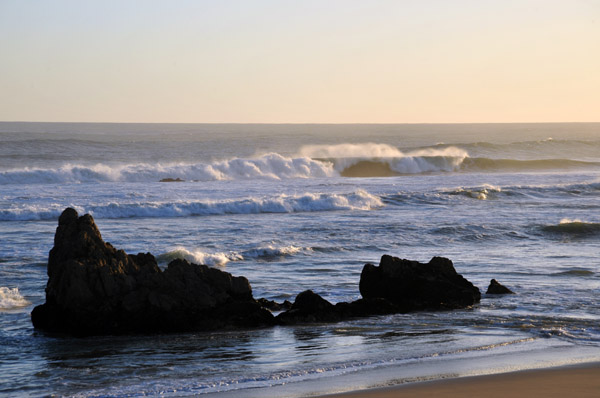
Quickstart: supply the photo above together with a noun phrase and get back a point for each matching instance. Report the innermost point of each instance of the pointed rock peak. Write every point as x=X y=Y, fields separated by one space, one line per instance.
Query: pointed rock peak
x=68 y=216
x=496 y=287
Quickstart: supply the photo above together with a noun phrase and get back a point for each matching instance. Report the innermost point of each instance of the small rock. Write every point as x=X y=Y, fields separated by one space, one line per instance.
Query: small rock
x=496 y=288
x=172 y=180
x=309 y=307
x=273 y=305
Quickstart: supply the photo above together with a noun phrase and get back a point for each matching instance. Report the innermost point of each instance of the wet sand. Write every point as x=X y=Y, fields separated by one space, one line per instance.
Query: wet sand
x=579 y=381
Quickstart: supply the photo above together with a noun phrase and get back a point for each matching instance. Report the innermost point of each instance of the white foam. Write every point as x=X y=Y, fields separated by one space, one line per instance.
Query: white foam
x=571 y=221
x=11 y=299
x=308 y=202
x=270 y=166
x=365 y=150
x=270 y=251
x=221 y=258
x=199 y=256
x=412 y=162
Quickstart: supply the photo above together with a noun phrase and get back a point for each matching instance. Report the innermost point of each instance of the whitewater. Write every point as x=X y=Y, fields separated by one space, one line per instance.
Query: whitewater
x=296 y=207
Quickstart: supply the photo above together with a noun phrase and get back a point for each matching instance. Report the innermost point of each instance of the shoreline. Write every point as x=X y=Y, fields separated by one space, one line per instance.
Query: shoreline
x=580 y=380
x=471 y=375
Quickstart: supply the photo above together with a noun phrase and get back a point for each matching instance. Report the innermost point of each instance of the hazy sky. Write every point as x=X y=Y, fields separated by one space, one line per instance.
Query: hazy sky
x=300 y=61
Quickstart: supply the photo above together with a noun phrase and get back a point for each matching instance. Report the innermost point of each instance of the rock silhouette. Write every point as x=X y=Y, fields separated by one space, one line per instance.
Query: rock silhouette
x=412 y=285
x=96 y=289
x=496 y=287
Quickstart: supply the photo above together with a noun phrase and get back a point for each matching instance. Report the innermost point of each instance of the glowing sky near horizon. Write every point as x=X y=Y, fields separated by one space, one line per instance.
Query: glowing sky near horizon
x=326 y=61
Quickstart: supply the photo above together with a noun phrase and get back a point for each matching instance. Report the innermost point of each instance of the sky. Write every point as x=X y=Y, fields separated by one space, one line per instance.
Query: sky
x=325 y=61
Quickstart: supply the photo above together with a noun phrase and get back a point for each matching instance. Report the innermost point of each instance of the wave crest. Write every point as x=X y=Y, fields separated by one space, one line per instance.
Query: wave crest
x=381 y=160
x=573 y=227
x=312 y=161
x=270 y=166
x=262 y=252
x=484 y=192
x=271 y=251
x=308 y=202
x=198 y=256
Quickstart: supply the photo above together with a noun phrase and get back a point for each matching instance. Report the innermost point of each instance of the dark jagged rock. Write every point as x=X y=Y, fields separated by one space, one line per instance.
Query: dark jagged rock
x=412 y=286
x=395 y=286
x=309 y=307
x=273 y=305
x=94 y=288
x=497 y=288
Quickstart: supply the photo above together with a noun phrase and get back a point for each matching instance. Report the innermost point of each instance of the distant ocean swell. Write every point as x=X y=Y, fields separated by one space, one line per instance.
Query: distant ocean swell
x=308 y=202
x=573 y=227
x=315 y=161
x=546 y=146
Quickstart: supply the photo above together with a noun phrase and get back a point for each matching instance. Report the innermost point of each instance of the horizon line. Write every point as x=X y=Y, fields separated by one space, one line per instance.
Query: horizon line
x=299 y=123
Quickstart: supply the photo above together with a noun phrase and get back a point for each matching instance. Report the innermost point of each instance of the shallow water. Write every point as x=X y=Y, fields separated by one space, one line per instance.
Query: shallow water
x=270 y=203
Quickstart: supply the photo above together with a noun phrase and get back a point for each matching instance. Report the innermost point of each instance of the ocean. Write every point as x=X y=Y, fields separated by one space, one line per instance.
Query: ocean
x=296 y=207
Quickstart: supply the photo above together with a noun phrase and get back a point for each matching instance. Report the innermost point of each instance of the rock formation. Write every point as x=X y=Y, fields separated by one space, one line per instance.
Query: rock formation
x=95 y=289
x=497 y=288
x=416 y=286
x=395 y=286
x=273 y=305
x=309 y=307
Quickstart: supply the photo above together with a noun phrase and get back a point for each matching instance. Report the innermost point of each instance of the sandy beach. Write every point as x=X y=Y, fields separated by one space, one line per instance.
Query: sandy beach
x=573 y=381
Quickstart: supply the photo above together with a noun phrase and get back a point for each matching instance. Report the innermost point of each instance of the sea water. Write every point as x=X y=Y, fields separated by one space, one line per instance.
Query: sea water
x=296 y=207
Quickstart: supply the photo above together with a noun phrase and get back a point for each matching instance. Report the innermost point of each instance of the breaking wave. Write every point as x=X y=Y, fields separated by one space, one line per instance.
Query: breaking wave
x=381 y=160
x=312 y=161
x=198 y=256
x=265 y=252
x=11 y=299
x=271 y=166
x=308 y=202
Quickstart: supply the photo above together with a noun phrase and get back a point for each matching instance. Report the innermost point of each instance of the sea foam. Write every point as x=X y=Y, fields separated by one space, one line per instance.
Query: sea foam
x=311 y=161
x=270 y=166
x=198 y=256
x=11 y=299
x=261 y=252
x=380 y=160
